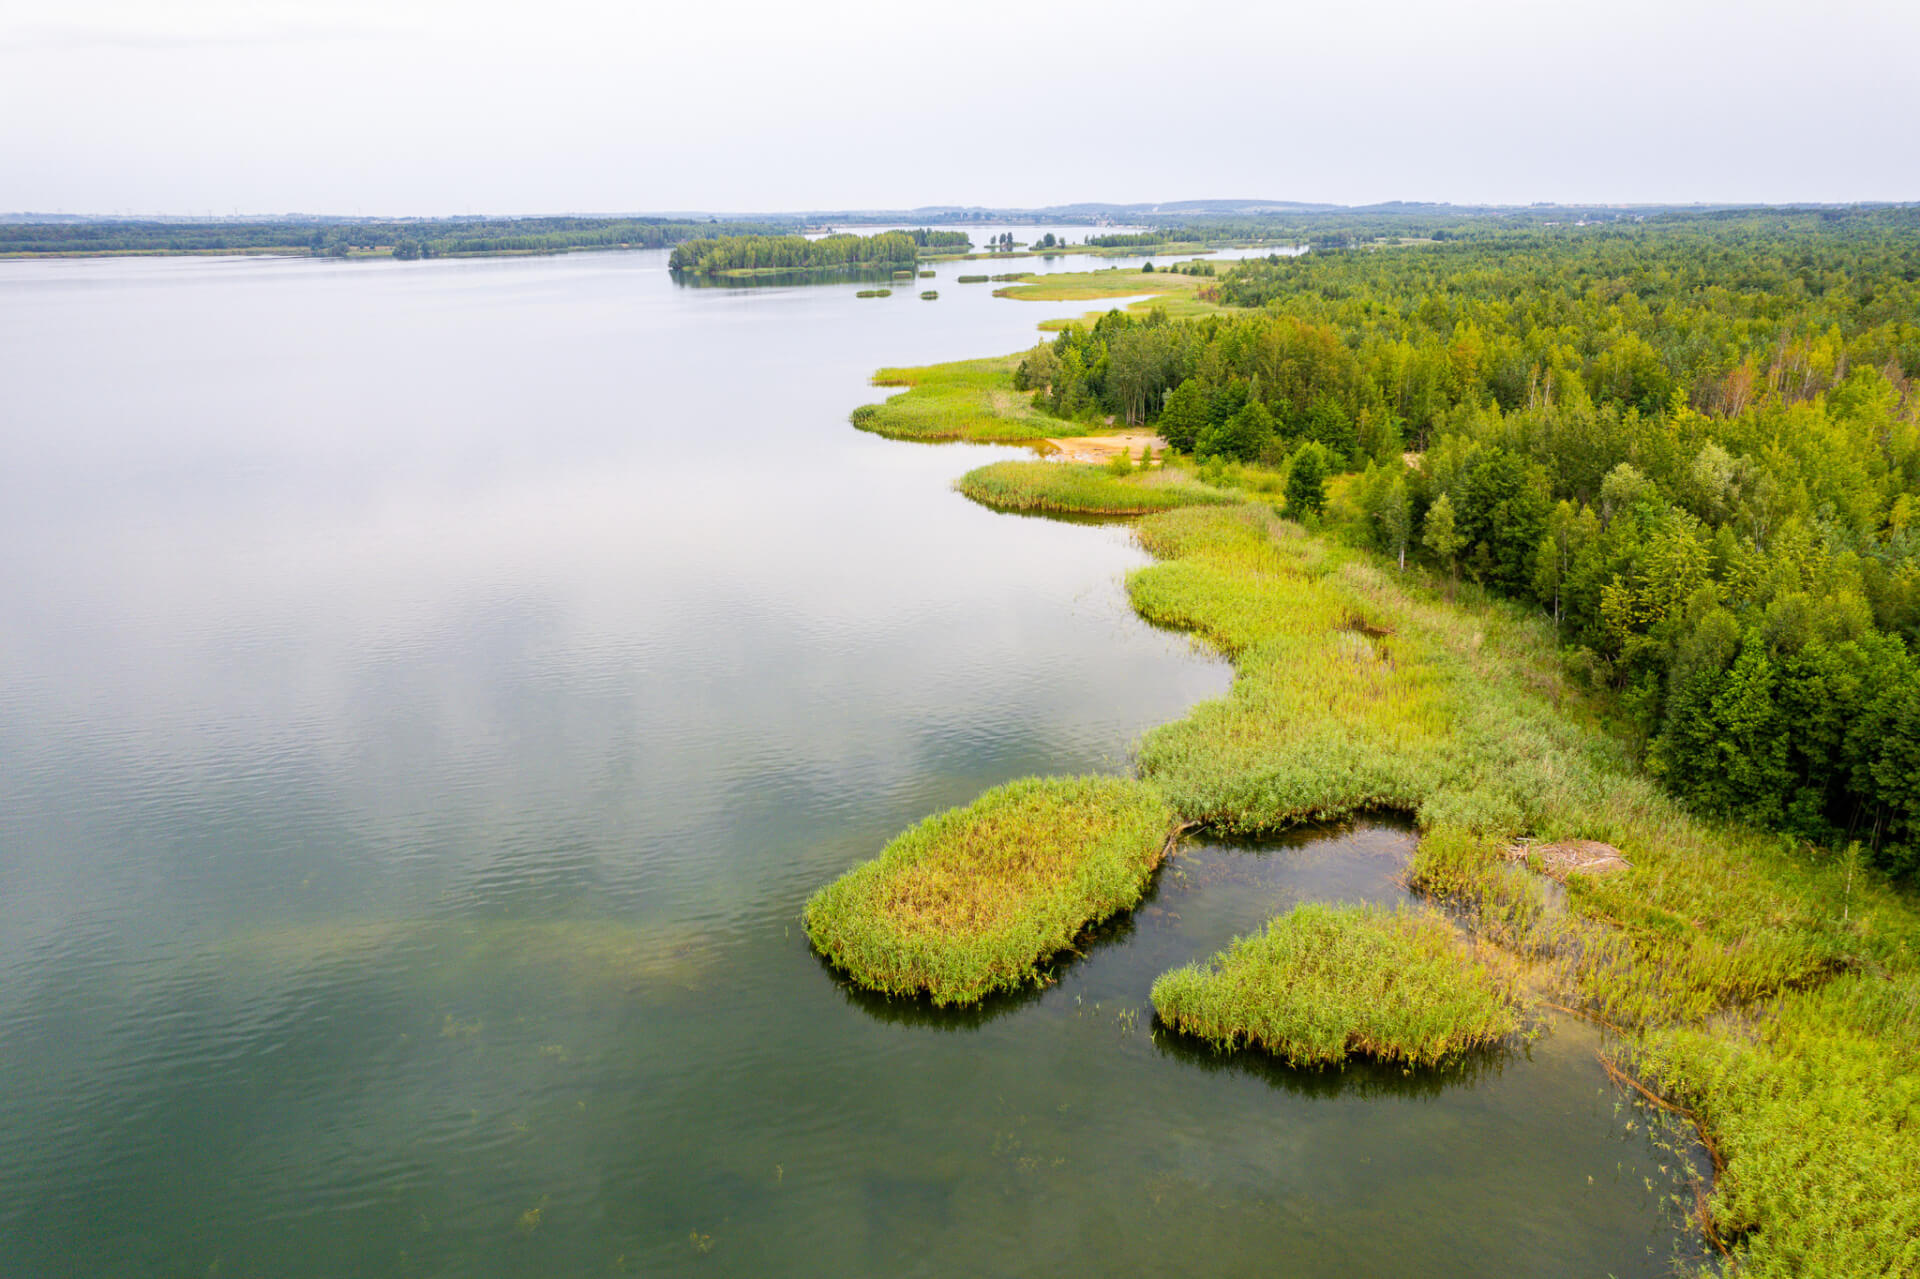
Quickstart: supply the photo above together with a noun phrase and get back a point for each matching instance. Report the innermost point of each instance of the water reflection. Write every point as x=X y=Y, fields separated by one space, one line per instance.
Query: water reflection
x=428 y=692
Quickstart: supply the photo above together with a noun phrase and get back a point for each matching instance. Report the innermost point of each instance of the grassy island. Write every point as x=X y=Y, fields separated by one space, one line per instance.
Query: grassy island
x=1323 y=983
x=1084 y=489
x=978 y=899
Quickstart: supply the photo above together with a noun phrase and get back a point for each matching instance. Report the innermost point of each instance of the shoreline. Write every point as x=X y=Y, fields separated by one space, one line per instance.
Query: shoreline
x=1674 y=954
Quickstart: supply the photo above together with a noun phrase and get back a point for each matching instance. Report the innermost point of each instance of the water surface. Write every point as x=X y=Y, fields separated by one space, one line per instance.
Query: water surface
x=428 y=692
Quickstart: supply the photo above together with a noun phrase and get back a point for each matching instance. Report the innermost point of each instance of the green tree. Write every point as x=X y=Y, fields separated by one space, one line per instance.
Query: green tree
x=1185 y=416
x=1240 y=438
x=1440 y=536
x=1307 y=481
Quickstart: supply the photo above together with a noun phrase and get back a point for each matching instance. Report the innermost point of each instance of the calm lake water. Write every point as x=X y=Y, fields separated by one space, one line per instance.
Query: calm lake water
x=428 y=693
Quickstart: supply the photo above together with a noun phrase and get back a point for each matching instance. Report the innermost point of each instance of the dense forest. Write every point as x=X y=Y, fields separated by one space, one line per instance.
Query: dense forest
x=796 y=253
x=404 y=238
x=1695 y=443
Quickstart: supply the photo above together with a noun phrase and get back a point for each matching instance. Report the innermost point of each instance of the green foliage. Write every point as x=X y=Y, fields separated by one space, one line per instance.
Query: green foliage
x=1079 y=489
x=874 y=293
x=1185 y=415
x=974 y=279
x=1323 y=983
x=929 y=295
x=1241 y=438
x=793 y=253
x=1307 y=481
x=977 y=899
x=339 y=237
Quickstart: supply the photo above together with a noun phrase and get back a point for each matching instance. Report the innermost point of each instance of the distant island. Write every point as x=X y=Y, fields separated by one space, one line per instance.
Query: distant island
x=750 y=254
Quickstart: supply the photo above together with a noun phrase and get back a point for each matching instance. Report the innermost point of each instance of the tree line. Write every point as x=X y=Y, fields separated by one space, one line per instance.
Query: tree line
x=794 y=252
x=405 y=238
x=1692 y=443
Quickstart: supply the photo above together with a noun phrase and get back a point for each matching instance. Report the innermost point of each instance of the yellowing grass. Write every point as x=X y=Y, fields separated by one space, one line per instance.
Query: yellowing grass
x=976 y=899
x=1323 y=983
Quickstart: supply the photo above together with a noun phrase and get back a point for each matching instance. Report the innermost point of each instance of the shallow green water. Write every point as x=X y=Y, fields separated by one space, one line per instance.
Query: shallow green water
x=427 y=694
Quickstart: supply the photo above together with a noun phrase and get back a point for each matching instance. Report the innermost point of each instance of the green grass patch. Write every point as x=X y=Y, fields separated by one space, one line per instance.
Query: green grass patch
x=973 y=279
x=970 y=400
x=929 y=295
x=1072 y=488
x=1178 y=295
x=874 y=293
x=978 y=899
x=1323 y=983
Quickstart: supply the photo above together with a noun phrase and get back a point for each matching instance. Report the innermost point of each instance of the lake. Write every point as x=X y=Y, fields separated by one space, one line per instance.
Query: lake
x=429 y=692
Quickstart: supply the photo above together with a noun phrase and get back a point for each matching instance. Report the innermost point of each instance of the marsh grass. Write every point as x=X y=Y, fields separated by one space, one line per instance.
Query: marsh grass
x=976 y=899
x=973 y=279
x=1323 y=983
x=1752 y=985
x=1071 y=488
x=929 y=295
x=874 y=293
x=970 y=400
x=1762 y=985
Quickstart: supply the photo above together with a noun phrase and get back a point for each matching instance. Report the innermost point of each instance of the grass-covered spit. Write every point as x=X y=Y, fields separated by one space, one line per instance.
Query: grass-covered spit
x=967 y=400
x=1083 y=489
x=1326 y=982
x=976 y=899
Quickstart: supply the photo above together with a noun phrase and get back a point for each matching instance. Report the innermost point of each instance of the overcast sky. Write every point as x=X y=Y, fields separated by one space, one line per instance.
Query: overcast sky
x=456 y=106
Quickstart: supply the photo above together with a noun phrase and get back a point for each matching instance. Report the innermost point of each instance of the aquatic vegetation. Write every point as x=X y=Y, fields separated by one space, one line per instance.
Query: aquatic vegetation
x=873 y=293
x=1178 y=295
x=929 y=295
x=974 y=279
x=967 y=400
x=1083 y=489
x=977 y=899
x=1362 y=687
x=1326 y=982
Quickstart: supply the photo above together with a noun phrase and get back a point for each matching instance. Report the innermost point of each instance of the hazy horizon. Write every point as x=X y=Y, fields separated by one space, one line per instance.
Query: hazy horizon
x=431 y=109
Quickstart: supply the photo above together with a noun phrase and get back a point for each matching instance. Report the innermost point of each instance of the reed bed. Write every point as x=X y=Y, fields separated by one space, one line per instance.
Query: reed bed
x=1324 y=983
x=971 y=400
x=1070 y=488
x=1771 y=990
x=978 y=899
